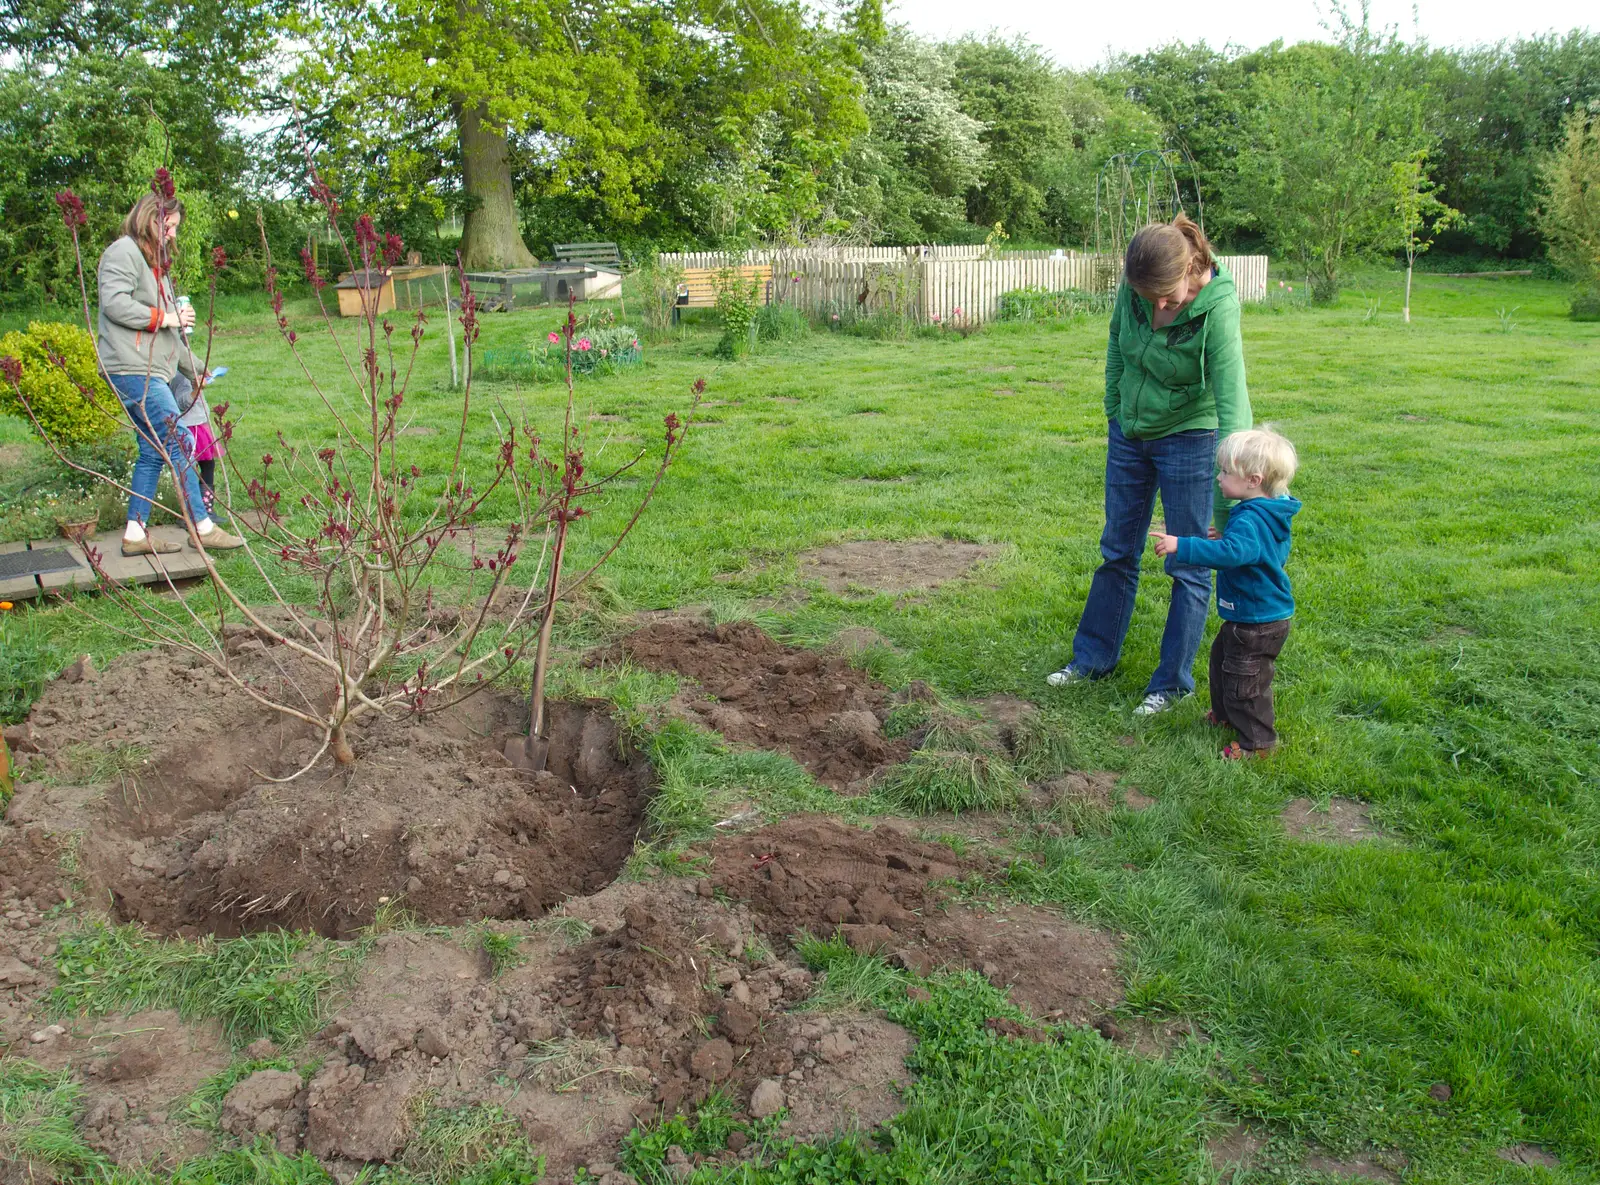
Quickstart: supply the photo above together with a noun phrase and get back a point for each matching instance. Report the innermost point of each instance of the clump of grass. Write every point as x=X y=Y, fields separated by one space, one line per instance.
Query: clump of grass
x=951 y=780
x=1042 y=745
x=570 y=930
x=650 y=859
x=701 y=779
x=849 y=981
x=262 y=985
x=479 y=1145
x=645 y=1148
x=504 y=951
x=91 y=765
x=38 y=1120
x=29 y=659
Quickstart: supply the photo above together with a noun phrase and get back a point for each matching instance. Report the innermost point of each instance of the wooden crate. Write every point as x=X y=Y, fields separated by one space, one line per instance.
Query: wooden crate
x=355 y=293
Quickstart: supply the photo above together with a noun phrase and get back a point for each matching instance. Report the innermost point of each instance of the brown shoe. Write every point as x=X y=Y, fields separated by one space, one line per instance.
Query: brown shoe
x=150 y=545
x=216 y=540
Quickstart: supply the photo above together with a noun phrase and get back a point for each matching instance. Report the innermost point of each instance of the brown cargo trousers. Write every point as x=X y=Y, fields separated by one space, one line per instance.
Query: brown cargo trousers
x=1243 y=658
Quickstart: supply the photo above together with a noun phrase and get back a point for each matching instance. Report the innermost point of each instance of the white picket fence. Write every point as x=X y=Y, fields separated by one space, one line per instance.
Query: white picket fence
x=934 y=283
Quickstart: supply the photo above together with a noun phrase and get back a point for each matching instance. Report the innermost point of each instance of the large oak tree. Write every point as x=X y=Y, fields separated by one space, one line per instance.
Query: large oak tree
x=595 y=101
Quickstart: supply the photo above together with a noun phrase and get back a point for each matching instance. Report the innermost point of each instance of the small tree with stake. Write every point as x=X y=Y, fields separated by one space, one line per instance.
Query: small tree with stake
x=366 y=533
x=1422 y=214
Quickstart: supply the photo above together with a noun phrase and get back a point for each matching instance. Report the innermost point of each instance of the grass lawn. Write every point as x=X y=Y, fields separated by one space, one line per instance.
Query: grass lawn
x=1445 y=668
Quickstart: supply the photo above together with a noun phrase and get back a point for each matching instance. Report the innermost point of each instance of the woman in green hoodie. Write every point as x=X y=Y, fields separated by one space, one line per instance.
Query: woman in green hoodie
x=1174 y=385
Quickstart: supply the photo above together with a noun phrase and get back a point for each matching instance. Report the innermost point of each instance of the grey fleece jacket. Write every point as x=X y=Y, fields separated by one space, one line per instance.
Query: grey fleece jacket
x=132 y=303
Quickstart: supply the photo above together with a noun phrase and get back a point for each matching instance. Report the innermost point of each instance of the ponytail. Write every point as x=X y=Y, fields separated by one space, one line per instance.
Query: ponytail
x=1201 y=256
x=1161 y=255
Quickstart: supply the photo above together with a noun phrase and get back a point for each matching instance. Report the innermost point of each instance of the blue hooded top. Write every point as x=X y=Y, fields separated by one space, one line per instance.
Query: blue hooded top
x=1252 y=586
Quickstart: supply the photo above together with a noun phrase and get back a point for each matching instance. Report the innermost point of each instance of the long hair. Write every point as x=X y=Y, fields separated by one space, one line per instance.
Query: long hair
x=145 y=225
x=1162 y=254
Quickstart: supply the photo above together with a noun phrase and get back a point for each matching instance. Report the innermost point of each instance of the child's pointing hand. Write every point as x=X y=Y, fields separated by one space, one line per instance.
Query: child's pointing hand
x=1165 y=544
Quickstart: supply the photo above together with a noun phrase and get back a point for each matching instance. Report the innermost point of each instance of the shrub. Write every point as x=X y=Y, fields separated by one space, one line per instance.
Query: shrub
x=53 y=391
x=1040 y=304
x=737 y=303
x=1586 y=305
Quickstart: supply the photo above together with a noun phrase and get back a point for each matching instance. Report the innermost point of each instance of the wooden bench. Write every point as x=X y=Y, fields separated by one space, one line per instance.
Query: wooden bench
x=698 y=288
x=604 y=255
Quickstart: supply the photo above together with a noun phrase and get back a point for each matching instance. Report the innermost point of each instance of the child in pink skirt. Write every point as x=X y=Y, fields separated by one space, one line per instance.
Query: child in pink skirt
x=206 y=448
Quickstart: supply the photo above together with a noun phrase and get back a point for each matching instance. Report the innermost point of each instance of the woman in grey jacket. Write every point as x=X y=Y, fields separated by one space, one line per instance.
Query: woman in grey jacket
x=142 y=345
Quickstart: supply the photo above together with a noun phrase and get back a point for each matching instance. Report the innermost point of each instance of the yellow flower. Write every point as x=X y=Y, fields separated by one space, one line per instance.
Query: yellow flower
x=233 y=213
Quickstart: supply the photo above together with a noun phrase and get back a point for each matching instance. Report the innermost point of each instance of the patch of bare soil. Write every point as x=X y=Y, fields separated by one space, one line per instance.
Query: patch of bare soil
x=816 y=707
x=894 y=567
x=1156 y=1038
x=1384 y=1166
x=1346 y=821
x=1235 y=1151
x=1529 y=1154
x=191 y=838
x=879 y=890
x=137 y=1071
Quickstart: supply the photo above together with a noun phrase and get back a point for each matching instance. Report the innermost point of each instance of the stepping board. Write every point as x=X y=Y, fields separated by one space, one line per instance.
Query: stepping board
x=40 y=566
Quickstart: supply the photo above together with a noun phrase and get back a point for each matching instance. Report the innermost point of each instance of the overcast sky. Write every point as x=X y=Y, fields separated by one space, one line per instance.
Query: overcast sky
x=1080 y=34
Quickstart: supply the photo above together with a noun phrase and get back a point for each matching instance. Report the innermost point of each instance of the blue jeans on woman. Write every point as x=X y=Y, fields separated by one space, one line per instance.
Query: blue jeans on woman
x=1182 y=467
x=154 y=412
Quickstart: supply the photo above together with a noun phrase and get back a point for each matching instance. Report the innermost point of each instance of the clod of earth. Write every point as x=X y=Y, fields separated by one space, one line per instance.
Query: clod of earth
x=819 y=709
x=892 y=567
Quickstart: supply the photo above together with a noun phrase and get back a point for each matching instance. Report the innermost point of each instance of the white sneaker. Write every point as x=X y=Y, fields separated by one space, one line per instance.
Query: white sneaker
x=1064 y=676
x=1157 y=702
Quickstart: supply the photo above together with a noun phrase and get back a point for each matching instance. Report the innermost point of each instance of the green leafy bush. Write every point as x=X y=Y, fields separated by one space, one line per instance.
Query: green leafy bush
x=1041 y=304
x=737 y=303
x=1586 y=305
x=52 y=390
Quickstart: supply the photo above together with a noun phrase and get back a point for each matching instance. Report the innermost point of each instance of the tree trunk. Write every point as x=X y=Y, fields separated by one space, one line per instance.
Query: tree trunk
x=339 y=745
x=1408 y=291
x=491 y=238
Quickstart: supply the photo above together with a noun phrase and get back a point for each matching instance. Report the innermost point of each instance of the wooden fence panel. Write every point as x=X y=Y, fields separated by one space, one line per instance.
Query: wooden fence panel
x=934 y=281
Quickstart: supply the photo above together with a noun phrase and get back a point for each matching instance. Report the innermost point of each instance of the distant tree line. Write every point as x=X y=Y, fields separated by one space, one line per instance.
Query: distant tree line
x=676 y=123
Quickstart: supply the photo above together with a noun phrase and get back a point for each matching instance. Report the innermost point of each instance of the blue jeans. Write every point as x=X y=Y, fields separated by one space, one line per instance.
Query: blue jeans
x=1181 y=466
x=154 y=412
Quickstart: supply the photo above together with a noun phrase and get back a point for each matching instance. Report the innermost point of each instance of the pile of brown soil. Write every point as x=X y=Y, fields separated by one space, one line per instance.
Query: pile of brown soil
x=192 y=839
x=819 y=709
x=880 y=890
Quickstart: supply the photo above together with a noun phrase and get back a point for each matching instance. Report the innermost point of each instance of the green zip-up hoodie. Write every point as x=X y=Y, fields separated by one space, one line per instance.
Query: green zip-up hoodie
x=1188 y=375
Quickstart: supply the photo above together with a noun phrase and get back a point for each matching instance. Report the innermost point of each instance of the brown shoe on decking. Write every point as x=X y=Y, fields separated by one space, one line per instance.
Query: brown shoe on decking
x=216 y=540
x=149 y=545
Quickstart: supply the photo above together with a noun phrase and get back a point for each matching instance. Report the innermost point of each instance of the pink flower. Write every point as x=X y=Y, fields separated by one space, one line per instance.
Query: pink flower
x=585 y=344
x=936 y=318
x=634 y=346
x=1291 y=287
x=836 y=316
x=1280 y=283
x=554 y=336
x=956 y=311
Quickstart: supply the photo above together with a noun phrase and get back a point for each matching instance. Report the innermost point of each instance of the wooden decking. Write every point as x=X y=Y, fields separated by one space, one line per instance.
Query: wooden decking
x=180 y=565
